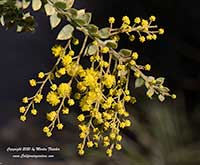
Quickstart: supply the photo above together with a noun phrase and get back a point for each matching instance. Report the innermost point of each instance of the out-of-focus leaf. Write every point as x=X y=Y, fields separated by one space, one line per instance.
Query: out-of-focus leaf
x=150 y=92
x=161 y=97
x=36 y=4
x=139 y=82
x=2 y=20
x=160 y=80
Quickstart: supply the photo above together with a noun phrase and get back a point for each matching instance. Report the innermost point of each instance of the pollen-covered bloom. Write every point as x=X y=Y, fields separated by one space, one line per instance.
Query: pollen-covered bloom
x=137 y=20
x=111 y=20
x=32 y=82
x=41 y=75
x=22 y=109
x=25 y=100
x=108 y=80
x=147 y=67
x=38 y=98
x=161 y=31
x=105 y=49
x=23 y=118
x=59 y=126
x=64 y=89
x=57 y=50
x=52 y=98
x=126 y=20
x=100 y=86
x=51 y=115
x=66 y=60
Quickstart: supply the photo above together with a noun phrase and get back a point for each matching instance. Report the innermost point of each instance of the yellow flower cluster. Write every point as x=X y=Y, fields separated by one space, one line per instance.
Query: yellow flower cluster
x=102 y=87
x=143 y=27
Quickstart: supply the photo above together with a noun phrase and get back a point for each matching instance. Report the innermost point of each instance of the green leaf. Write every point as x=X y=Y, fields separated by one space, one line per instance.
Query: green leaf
x=73 y=12
x=139 y=82
x=80 y=12
x=69 y=4
x=161 y=97
x=92 y=28
x=54 y=21
x=104 y=33
x=125 y=52
x=92 y=49
x=36 y=4
x=60 y=5
x=111 y=43
x=50 y=10
x=66 y=32
x=83 y=19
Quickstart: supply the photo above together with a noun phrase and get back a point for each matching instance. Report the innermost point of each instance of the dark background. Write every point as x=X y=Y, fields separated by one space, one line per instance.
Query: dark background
x=170 y=130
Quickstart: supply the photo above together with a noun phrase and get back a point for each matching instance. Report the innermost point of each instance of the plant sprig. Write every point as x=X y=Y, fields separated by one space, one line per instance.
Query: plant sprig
x=102 y=88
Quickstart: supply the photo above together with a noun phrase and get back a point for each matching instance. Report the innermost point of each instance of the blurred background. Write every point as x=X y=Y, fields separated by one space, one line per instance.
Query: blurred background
x=162 y=133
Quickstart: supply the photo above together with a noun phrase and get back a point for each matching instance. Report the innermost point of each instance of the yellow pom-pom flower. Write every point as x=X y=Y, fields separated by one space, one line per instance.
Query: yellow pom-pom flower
x=65 y=111
x=59 y=126
x=111 y=20
x=25 y=100
x=90 y=144
x=142 y=39
x=81 y=117
x=152 y=18
x=32 y=82
x=161 y=31
x=38 y=98
x=173 y=96
x=147 y=67
x=41 y=75
x=135 y=55
x=105 y=50
x=51 y=115
x=71 y=102
x=57 y=50
x=64 y=89
x=46 y=129
x=118 y=146
x=23 y=118
x=22 y=109
x=66 y=60
x=126 y=20
x=34 y=112
x=53 y=87
x=137 y=20
x=52 y=98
